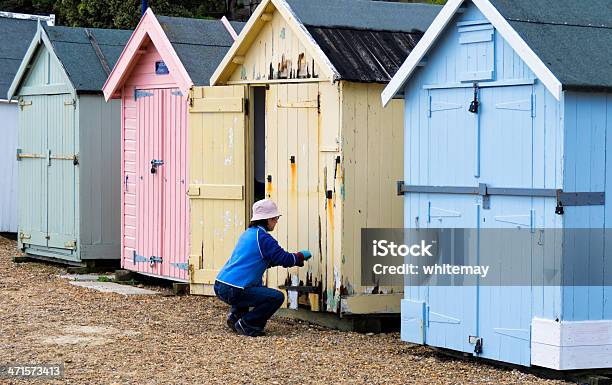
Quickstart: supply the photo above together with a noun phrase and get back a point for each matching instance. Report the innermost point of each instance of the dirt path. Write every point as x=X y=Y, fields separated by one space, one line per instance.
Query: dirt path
x=108 y=338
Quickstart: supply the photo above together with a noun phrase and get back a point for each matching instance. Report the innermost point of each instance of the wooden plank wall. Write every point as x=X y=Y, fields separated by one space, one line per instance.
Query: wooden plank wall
x=373 y=161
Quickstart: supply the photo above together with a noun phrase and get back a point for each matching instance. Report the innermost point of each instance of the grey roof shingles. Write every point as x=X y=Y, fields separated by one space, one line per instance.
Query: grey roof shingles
x=573 y=38
x=200 y=44
x=366 y=41
x=78 y=56
x=365 y=14
x=16 y=37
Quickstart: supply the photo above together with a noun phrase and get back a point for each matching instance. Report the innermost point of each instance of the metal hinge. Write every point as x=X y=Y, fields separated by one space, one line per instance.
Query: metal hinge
x=138 y=258
x=319 y=103
x=180 y=265
x=70 y=245
x=141 y=94
x=24 y=103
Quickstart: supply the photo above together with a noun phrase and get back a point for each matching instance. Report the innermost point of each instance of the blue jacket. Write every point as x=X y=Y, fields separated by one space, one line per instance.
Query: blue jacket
x=255 y=252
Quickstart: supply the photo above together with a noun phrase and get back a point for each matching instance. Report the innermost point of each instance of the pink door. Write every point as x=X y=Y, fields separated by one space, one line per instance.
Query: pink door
x=161 y=198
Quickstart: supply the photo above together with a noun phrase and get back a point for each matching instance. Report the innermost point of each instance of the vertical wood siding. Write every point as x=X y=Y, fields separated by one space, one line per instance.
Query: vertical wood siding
x=588 y=121
x=8 y=168
x=373 y=159
x=100 y=177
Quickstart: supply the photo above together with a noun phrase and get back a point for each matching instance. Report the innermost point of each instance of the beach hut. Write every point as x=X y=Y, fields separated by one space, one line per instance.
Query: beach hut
x=68 y=145
x=294 y=114
x=163 y=59
x=508 y=122
x=17 y=30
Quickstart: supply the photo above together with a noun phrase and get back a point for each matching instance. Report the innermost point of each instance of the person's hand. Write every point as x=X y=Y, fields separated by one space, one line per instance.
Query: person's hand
x=307 y=254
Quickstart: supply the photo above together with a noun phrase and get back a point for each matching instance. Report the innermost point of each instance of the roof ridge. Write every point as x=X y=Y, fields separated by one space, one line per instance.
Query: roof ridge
x=557 y=23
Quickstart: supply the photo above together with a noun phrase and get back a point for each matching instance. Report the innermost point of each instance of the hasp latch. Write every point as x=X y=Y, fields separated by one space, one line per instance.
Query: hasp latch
x=564 y=199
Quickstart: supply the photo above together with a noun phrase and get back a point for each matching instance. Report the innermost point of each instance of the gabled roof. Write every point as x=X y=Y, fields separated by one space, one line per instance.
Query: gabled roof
x=83 y=53
x=191 y=49
x=564 y=42
x=77 y=54
x=200 y=44
x=358 y=40
x=16 y=36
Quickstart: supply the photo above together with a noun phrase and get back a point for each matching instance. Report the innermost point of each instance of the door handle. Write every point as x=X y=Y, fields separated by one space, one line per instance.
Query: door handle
x=155 y=163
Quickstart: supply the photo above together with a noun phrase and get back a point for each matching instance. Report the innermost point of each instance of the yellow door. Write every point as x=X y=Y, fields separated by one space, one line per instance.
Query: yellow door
x=217 y=147
x=292 y=168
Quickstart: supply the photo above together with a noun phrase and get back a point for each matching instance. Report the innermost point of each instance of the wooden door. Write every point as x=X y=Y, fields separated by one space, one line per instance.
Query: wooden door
x=292 y=168
x=62 y=173
x=217 y=148
x=32 y=154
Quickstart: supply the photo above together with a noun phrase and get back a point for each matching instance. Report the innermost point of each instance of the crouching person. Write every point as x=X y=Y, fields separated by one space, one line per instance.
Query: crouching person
x=239 y=283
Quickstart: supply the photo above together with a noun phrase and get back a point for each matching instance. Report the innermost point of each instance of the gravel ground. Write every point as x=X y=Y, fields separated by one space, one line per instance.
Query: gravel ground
x=108 y=338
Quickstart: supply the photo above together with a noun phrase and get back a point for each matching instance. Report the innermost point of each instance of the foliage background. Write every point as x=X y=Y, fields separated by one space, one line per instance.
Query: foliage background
x=126 y=13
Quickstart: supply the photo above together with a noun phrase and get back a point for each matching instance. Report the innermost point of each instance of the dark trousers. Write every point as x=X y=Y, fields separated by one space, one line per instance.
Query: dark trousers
x=263 y=301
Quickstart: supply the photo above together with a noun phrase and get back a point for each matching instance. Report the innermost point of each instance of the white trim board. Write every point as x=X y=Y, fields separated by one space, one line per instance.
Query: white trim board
x=571 y=345
x=438 y=26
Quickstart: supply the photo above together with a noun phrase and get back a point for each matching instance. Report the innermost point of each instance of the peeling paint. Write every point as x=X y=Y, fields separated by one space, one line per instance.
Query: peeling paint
x=227 y=220
x=230 y=135
x=292 y=295
x=282 y=33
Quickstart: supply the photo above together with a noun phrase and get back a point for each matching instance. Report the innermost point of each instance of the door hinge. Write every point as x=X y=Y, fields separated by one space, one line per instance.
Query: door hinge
x=70 y=245
x=138 y=258
x=180 y=265
x=319 y=103
x=24 y=103
x=141 y=94
x=190 y=101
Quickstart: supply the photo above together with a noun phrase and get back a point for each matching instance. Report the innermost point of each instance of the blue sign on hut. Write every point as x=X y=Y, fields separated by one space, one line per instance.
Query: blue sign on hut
x=508 y=124
x=17 y=30
x=68 y=145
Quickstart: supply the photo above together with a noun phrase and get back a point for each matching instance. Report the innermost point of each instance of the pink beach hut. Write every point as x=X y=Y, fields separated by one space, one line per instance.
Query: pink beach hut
x=163 y=59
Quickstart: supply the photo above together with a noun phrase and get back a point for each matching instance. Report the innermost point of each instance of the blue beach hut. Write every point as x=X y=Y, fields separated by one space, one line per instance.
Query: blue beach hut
x=508 y=119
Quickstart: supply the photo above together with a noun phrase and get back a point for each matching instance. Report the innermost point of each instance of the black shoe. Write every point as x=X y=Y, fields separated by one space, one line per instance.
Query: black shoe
x=231 y=321
x=245 y=330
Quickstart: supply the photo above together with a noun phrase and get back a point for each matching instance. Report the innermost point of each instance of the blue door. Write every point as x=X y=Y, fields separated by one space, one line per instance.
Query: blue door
x=497 y=146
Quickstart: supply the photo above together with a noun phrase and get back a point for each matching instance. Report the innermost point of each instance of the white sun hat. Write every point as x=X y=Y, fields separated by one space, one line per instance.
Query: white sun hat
x=265 y=209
